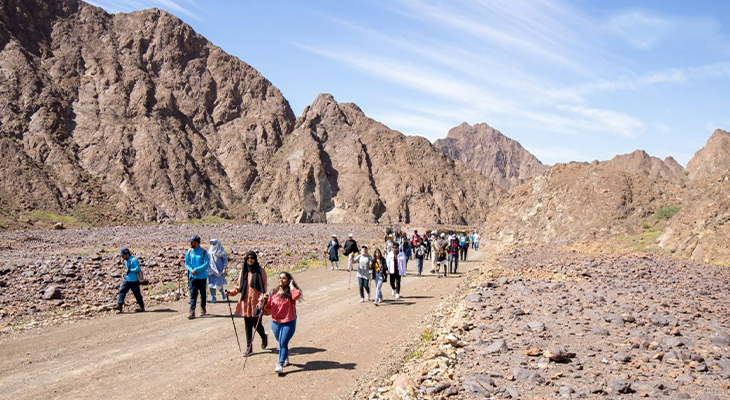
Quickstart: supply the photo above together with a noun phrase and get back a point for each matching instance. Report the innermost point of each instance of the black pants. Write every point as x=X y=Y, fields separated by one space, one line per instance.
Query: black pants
x=250 y=325
x=395 y=282
x=134 y=287
x=463 y=252
x=197 y=285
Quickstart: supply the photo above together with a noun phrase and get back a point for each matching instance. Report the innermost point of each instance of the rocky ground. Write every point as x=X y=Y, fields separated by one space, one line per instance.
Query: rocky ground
x=52 y=277
x=545 y=322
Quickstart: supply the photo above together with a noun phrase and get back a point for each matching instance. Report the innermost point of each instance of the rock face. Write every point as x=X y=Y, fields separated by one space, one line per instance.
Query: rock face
x=639 y=162
x=713 y=159
x=701 y=230
x=341 y=166
x=132 y=110
x=488 y=151
x=579 y=202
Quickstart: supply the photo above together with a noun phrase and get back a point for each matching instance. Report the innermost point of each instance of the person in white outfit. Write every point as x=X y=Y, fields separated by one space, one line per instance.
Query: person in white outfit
x=217 y=266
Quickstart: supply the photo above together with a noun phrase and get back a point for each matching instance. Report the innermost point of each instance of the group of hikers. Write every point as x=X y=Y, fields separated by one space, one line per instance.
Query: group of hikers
x=207 y=270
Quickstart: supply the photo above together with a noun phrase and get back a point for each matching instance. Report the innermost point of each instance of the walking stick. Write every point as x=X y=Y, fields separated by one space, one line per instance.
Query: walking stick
x=253 y=336
x=228 y=300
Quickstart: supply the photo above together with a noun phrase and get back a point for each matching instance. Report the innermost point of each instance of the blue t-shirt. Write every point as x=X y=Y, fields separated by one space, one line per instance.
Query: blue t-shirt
x=197 y=260
x=132 y=269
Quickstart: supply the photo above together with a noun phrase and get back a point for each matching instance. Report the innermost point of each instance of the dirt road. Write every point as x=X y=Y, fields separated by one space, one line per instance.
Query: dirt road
x=162 y=355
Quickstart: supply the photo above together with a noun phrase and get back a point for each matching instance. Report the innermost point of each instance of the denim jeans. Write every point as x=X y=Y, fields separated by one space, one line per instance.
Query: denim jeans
x=364 y=284
x=134 y=287
x=283 y=332
x=419 y=265
x=453 y=260
x=378 y=287
x=197 y=285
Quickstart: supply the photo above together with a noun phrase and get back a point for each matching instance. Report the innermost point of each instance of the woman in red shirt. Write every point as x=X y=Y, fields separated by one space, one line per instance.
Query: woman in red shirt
x=281 y=303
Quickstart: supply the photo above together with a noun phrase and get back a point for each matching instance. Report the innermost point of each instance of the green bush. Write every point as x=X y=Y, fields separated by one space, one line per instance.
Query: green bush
x=287 y=253
x=667 y=212
x=313 y=255
x=645 y=225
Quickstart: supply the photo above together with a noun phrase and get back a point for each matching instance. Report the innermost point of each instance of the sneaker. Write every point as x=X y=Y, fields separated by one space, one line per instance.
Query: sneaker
x=213 y=299
x=368 y=297
x=203 y=313
x=279 y=369
x=362 y=300
x=286 y=362
x=392 y=292
x=118 y=308
x=223 y=296
x=397 y=295
x=265 y=341
x=191 y=315
x=139 y=309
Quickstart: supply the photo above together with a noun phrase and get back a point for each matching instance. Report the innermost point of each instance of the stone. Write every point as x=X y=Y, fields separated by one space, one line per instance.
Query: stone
x=52 y=292
x=525 y=375
x=566 y=391
x=535 y=326
x=558 y=354
x=498 y=346
x=403 y=381
x=621 y=357
x=59 y=226
x=722 y=339
x=621 y=386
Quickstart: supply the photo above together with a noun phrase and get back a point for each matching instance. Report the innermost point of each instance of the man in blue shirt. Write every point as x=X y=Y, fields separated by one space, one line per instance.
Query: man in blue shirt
x=196 y=262
x=131 y=282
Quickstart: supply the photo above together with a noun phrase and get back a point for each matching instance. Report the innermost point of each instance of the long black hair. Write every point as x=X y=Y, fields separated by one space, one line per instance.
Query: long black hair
x=287 y=291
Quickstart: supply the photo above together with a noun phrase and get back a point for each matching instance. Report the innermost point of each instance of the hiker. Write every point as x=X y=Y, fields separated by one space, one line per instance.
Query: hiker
x=131 y=282
x=463 y=245
x=477 y=237
x=251 y=285
x=281 y=304
x=427 y=242
x=389 y=243
x=380 y=274
x=196 y=262
x=420 y=254
x=435 y=250
x=364 y=270
x=350 y=250
x=406 y=247
x=333 y=249
x=441 y=252
x=218 y=262
x=396 y=267
x=453 y=254
x=471 y=239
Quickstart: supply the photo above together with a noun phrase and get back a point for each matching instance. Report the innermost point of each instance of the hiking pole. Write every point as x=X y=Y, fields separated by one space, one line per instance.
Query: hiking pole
x=228 y=300
x=253 y=336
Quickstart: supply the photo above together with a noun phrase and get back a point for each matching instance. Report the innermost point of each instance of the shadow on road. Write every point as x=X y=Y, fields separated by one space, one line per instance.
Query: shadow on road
x=398 y=303
x=419 y=297
x=321 y=366
x=305 y=350
x=163 y=310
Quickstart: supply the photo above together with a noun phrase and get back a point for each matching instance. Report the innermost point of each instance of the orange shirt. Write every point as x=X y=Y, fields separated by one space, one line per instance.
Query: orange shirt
x=246 y=306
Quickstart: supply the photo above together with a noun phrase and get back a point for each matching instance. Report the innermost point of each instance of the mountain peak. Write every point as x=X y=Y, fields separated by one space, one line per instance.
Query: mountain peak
x=713 y=159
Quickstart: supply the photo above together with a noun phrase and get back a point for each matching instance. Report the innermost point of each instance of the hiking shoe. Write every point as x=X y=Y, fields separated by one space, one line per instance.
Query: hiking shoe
x=213 y=300
x=265 y=341
x=203 y=313
x=279 y=369
x=191 y=315
x=249 y=352
x=139 y=309
x=118 y=308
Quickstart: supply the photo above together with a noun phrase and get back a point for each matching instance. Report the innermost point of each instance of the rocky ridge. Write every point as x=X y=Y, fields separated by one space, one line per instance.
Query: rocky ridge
x=486 y=150
x=341 y=166
x=641 y=163
x=713 y=159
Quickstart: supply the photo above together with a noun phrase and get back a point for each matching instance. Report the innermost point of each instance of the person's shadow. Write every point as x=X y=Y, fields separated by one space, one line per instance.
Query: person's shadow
x=321 y=366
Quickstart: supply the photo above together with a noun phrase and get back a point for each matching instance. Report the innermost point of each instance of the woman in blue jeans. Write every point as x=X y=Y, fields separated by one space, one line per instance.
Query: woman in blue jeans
x=282 y=304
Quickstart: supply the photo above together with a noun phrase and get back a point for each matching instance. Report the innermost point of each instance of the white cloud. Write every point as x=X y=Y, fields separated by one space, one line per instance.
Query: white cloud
x=639 y=29
x=620 y=123
x=172 y=6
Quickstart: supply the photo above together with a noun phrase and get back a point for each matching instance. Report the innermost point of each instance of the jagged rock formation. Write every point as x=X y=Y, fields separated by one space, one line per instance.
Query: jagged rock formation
x=579 y=202
x=341 y=166
x=488 y=151
x=713 y=159
x=135 y=111
x=639 y=162
x=701 y=230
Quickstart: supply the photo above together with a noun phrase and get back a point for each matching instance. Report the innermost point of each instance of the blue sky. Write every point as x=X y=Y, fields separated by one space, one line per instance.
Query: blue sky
x=570 y=80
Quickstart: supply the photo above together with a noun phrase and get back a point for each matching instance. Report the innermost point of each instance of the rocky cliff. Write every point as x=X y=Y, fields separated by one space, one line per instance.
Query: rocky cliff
x=713 y=159
x=579 y=202
x=641 y=163
x=135 y=113
x=341 y=166
x=488 y=151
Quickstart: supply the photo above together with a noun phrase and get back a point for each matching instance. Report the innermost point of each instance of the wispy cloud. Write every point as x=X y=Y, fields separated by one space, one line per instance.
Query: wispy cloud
x=639 y=29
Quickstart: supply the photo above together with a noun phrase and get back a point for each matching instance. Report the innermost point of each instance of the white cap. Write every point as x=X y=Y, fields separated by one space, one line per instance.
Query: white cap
x=443 y=234
x=350 y=235
x=334 y=236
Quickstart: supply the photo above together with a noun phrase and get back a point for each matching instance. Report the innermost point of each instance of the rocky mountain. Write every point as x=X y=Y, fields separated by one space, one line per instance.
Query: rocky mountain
x=488 y=151
x=133 y=113
x=579 y=202
x=713 y=159
x=701 y=230
x=639 y=162
x=341 y=166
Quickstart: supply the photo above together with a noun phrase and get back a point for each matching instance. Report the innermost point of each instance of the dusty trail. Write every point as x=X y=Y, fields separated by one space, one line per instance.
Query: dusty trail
x=161 y=355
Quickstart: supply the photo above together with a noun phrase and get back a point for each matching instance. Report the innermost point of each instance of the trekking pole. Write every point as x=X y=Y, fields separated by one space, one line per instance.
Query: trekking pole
x=253 y=336
x=234 y=323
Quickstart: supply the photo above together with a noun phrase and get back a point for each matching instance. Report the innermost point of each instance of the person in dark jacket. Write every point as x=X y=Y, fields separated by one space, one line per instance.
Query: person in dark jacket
x=380 y=274
x=350 y=250
x=333 y=250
